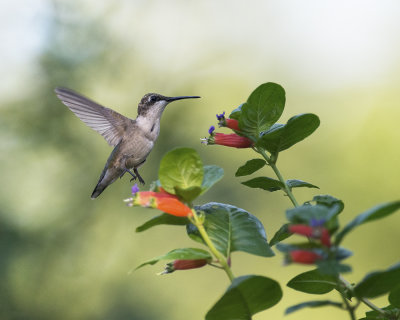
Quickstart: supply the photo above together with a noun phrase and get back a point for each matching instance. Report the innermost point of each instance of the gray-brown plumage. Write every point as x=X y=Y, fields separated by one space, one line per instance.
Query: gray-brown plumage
x=132 y=140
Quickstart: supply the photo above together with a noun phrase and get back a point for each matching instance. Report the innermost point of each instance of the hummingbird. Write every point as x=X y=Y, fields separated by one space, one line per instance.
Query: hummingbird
x=132 y=139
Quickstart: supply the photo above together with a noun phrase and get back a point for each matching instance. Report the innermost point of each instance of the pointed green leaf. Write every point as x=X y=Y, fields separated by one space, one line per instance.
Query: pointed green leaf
x=377 y=283
x=377 y=212
x=262 y=109
x=312 y=304
x=264 y=183
x=181 y=167
x=394 y=296
x=250 y=167
x=163 y=218
x=391 y=313
x=188 y=194
x=232 y=229
x=299 y=184
x=332 y=267
x=306 y=212
x=282 y=234
x=235 y=114
x=284 y=136
x=246 y=296
x=212 y=174
x=181 y=254
x=313 y=282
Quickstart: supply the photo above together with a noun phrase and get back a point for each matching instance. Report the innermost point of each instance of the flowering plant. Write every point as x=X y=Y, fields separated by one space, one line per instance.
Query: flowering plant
x=224 y=229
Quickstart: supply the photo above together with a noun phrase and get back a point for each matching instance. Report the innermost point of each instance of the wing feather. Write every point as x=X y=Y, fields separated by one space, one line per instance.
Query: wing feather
x=109 y=123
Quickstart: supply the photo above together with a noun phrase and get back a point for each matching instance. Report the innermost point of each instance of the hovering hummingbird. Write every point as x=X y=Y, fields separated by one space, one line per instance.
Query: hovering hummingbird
x=132 y=140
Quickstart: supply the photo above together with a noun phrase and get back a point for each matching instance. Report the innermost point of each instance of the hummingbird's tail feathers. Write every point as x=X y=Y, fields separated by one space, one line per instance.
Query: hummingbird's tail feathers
x=108 y=176
x=98 y=190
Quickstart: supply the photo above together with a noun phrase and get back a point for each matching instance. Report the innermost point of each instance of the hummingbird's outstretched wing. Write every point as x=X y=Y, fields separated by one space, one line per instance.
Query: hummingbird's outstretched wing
x=109 y=123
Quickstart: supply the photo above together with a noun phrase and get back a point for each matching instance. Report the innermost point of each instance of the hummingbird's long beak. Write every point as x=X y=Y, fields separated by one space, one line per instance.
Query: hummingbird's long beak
x=181 y=97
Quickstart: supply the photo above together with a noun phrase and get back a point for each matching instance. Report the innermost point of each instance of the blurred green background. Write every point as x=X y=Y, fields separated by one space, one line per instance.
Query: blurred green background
x=64 y=256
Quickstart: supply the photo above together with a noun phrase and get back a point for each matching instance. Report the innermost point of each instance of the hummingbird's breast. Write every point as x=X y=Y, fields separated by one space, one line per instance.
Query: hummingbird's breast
x=138 y=143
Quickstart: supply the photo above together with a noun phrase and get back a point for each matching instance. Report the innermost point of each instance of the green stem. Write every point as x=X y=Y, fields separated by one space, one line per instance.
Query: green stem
x=280 y=177
x=221 y=259
x=349 y=308
x=348 y=286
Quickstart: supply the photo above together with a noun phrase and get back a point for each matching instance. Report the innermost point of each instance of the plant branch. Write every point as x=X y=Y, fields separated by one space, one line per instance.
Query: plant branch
x=344 y=282
x=279 y=175
x=221 y=259
x=348 y=286
x=349 y=307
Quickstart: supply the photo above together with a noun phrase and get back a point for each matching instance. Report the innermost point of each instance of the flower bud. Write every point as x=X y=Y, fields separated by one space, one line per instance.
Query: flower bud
x=184 y=265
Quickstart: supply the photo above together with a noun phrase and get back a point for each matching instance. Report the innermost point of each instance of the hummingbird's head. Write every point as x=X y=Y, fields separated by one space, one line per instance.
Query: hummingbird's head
x=155 y=103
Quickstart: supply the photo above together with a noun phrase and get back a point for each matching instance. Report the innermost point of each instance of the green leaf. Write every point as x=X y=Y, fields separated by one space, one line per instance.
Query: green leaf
x=306 y=212
x=282 y=234
x=188 y=194
x=232 y=229
x=312 y=304
x=163 y=218
x=332 y=267
x=235 y=114
x=311 y=246
x=394 y=296
x=327 y=200
x=181 y=167
x=246 y=296
x=212 y=174
x=313 y=282
x=181 y=254
x=335 y=207
x=299 y=184
x=250 y=167
x=265 y=183
x=391 y=313
x=377 y=283
x=378 y=212
x=295 y=130
x=262 y=109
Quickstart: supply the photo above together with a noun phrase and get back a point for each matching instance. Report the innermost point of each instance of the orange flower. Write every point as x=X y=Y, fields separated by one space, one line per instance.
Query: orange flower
x=163 y=201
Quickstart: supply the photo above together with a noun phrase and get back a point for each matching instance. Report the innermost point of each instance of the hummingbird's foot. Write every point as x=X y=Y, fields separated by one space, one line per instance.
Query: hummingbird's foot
x=130 y=172
x=138 y=176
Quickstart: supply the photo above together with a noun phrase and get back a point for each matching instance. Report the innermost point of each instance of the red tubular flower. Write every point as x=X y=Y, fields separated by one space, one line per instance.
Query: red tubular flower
x=232 y=124
x=325 y=237
x=189 y=264
x=163 y=201
x=301 y=229
x=320 y=233
x=184 y=265
x=232 y=140
x=304 y=256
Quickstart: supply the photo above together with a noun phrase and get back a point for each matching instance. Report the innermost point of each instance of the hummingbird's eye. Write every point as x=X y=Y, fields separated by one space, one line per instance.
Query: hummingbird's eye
x=153 y=98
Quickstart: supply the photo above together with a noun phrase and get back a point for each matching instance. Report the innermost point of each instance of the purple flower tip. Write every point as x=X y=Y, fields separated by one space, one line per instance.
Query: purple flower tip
x=135 y=189
x=211 y=130
x=221 y=116
x=317 y=222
